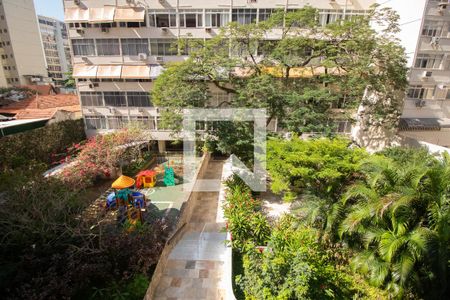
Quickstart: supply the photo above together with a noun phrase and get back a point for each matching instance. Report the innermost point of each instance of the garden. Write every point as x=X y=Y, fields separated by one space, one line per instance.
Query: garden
x=360 y=225
x=56 y=241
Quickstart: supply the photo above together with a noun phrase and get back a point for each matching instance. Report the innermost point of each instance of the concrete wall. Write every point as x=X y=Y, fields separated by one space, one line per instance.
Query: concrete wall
x=432 y=148
x=184 y=219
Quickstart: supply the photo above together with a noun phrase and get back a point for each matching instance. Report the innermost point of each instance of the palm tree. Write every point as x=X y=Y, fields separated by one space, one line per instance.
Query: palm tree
x=386 y=222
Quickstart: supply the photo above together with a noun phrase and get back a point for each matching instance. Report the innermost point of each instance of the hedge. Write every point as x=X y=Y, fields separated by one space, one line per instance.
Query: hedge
x=39 y=144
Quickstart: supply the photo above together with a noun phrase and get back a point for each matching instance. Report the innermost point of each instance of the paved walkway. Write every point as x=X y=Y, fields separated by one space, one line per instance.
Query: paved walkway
x=196 y=266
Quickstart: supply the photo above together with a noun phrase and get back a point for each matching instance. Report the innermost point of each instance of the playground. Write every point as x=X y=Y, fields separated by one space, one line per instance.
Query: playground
x=154 y=193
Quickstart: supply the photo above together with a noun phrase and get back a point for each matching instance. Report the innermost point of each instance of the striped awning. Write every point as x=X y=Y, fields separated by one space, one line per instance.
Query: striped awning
x=130 y=14
x=109 y=71
x=76 y=15
x=102 y=14
x=84 y=71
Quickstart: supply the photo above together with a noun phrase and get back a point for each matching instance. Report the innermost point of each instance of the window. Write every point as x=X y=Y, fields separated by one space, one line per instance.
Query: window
x=163 y=18
x=217 y=17
x=265 y=13
x=420 y=92
x=163 y=47
x=83 y=47
x=134 y=46
x=218 y=98
x=191 y=18
x=139 y=99
x=147 y=122
x=95 y=122
x=116 y=122
x=91 y=98
x=108 y=47
x=329 y=16
x=428 y=61
x=117 y=99
x=343 y=126
x=244 y=15
x=431 y=28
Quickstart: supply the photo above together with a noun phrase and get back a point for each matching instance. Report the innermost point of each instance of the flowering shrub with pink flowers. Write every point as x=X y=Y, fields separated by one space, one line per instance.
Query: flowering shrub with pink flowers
x=101 y=156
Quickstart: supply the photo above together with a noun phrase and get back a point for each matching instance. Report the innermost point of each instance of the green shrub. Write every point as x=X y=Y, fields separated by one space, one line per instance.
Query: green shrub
x=322 y=167
x=296 y=266
x=39 y=144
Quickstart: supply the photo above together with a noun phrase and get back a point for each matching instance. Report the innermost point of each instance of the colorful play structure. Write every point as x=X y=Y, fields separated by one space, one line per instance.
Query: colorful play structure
x=169 y=176
x=128 y=202
x=146 y=179
x=132 y=203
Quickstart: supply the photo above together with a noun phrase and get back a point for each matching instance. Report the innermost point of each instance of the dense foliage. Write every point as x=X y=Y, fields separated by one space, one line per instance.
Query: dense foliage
x=390 y=211
x=49 y=252
x=54 y=243
x=39 y=144
x=322 y=166
x=285 y=260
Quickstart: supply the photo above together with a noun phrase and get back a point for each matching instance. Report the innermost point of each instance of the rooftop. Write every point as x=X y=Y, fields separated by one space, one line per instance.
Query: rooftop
x=42 y=107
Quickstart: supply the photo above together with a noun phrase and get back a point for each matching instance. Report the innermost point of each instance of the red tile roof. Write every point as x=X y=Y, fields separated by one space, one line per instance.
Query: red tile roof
x=42 y=106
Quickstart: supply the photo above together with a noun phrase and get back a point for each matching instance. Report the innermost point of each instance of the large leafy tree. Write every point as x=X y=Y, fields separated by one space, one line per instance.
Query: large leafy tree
x=298 y=77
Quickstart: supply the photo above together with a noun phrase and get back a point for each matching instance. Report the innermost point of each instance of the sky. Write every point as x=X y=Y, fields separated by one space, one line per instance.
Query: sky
x=50 y=8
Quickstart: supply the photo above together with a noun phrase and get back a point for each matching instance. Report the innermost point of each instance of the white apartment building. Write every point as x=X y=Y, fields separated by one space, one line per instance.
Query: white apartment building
x=22 y=59
x=55 y=42
x=120 y=46
x=426 y=36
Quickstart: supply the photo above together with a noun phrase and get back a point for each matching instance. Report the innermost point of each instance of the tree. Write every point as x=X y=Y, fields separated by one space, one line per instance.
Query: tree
x=322 y=166
x=69 y=82
x=299 y=76
x=397 y=220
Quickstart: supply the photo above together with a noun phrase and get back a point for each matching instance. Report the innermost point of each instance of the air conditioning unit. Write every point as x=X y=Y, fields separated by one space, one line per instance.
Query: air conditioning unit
x=142 y=56
x=105 y=29
x=80 y=31
x=420 y=103
x=141 y=110
x=426 y=75
x=443 y=4
x=130 y=1
x=208 y=29
x=85 y=58
x=77 y=2
x=159 y=59
x=165 y=29
x=435 y=40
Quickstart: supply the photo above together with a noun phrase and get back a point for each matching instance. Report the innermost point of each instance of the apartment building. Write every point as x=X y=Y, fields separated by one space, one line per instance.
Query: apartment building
x=426 y=112
x=120 y=46
x=55 y=42
x=22 y=59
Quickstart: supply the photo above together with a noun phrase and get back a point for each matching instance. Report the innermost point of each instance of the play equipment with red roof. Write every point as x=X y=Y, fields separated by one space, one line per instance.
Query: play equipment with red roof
x=146 y=179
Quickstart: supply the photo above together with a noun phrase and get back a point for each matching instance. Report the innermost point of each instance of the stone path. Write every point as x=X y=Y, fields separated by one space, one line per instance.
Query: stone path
x=196 y=266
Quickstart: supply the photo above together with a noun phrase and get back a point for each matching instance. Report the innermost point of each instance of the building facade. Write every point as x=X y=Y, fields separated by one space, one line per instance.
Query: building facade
x=22 y=59
x=426 y=112
x=56 y=46
x=120 y=46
